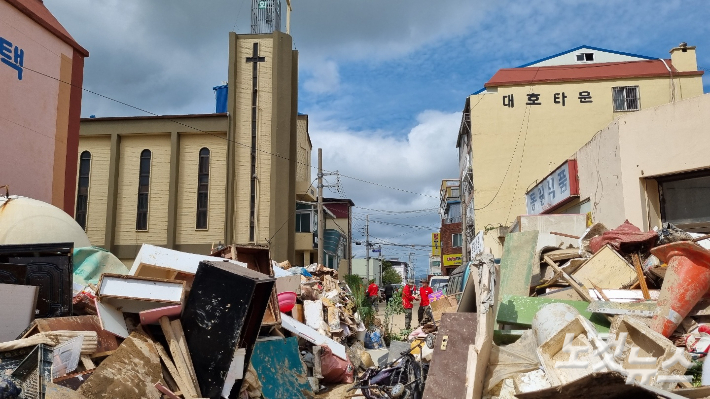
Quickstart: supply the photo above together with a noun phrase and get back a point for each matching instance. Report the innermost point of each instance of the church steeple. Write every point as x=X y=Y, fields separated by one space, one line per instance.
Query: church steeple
x=265 y=16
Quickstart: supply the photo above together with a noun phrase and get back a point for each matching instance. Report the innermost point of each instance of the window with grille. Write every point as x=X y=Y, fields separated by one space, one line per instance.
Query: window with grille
x=626 y=98
x=82 y=192
x=456 y=240
x=143 y=191
x=203 y=188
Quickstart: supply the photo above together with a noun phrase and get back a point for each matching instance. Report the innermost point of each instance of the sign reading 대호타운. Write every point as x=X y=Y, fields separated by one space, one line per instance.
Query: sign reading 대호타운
x=558 y=187
x=453 y=259
x=435 y=244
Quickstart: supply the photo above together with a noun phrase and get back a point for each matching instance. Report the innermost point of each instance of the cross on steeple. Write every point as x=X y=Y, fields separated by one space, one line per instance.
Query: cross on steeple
x=255 y=58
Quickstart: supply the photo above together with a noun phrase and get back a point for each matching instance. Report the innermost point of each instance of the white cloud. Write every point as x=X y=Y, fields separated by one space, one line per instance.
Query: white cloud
x=323 y=78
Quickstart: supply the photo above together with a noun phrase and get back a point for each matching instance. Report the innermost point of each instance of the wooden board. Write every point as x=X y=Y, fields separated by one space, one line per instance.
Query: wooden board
x=607 y=269
x=280 y=369
x=447 y=371
x=131 y=372
x=519 y=311
x=106 y=341
x=137 y=294
x=517 y=263
x=17 y=309
x=312 y=336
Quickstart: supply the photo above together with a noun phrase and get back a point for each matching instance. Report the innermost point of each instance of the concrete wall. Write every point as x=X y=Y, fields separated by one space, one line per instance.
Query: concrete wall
x=39 y=116
x=617 y=167
x=516 y=146
x=359 y=268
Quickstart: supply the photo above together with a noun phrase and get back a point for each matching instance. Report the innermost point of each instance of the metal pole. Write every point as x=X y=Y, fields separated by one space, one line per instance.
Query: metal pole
x=367 y=248
x=321 y=219
x=380 y=247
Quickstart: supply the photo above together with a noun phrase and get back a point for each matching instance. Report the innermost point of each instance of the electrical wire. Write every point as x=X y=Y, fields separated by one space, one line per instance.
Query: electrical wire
x=224 y=138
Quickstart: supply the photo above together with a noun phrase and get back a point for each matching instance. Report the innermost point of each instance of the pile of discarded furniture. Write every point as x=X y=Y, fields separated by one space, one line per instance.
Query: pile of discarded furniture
x=600 y=313
x=77 y=323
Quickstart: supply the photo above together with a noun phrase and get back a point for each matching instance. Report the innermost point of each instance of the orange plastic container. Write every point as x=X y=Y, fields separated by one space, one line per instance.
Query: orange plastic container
x=687 y=280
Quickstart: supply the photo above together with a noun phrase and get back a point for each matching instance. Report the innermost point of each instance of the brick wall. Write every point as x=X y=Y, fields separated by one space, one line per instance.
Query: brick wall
x=447 y=248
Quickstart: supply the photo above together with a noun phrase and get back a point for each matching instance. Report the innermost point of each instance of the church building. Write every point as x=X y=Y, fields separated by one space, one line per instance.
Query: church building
x=190 y=181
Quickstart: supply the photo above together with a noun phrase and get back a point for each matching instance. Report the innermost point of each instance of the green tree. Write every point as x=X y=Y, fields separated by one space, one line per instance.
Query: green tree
x=390 y=276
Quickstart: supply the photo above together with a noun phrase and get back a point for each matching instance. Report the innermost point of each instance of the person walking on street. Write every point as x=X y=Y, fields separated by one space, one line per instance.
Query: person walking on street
x=373 y=291
x=424 y=307
x=407 y=298
x=389 y=290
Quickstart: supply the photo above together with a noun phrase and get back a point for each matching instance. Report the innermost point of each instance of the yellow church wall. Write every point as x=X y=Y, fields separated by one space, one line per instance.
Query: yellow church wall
x=243 y=129
x=131 y=148
x=99 y=147
x=190 y=146
x=518 y=145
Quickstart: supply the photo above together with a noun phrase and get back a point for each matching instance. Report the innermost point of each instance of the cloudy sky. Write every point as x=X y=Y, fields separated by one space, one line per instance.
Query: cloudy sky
x=383 y=82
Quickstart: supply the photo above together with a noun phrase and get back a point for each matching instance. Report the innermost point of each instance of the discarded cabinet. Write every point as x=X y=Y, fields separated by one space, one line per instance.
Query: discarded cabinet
x=257 y=258
x=222 y=314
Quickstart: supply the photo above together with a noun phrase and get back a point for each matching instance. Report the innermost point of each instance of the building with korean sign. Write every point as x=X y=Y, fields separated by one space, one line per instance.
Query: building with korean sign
x=665 y=180
x=41 y=74
x=528 y=120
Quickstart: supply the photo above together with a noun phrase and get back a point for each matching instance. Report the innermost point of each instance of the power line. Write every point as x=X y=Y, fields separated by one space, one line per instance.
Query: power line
x=223 y=138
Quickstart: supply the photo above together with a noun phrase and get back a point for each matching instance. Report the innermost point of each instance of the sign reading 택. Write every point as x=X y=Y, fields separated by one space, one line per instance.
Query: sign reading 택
x=554 y=190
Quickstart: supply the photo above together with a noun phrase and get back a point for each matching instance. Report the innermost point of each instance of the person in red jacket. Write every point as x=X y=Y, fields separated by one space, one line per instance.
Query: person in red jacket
x=424 y=304
x=407 y=298
x=373 y=292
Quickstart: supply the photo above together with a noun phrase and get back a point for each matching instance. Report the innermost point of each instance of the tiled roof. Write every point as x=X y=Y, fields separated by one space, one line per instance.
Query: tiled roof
x=570 y=73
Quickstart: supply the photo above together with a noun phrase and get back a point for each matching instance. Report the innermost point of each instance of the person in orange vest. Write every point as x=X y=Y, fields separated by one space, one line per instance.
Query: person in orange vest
x=373 y=292
x=424 y=307
x=407 y=298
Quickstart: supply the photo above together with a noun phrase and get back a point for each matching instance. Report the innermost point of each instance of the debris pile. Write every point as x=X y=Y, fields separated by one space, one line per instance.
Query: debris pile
x=620 y=307
x=235 y=324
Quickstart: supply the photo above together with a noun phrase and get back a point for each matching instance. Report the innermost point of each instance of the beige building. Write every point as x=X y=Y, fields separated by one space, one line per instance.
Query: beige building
x=649 y=167
x=528 y=120
x=190 y=181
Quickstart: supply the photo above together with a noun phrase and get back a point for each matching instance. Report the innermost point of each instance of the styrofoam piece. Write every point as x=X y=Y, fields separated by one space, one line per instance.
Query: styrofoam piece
x=531 y=381
x=164 y=258
x=313 y=312
x=152 y=316
x=551 y=319
x=552 y=356
x=311 y=335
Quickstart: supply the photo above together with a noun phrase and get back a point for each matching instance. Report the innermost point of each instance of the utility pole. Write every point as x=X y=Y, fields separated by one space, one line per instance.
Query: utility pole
x=381 y=260
x=367 y=248
x=321 y=219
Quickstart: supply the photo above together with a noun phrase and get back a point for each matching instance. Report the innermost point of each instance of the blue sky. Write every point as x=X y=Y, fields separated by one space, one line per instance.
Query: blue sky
x=382 y=82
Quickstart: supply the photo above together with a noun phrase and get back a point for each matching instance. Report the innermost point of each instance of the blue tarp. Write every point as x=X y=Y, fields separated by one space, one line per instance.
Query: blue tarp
x=220 y=93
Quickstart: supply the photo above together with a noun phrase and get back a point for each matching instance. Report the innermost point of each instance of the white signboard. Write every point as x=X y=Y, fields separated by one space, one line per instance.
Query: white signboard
x=477 y=244
x=556 y=188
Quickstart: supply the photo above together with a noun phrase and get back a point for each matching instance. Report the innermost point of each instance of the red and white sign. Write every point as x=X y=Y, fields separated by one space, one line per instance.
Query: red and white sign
x=554 y=190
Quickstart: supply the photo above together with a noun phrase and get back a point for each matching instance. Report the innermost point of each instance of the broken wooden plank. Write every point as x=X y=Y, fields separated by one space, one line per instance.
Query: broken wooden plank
x=171 y=369
x=180 y=336
x=519 y=311
x=583 y=292
x=517 y=263
x=312 y=335
x=178 y=357
x=640 y=276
